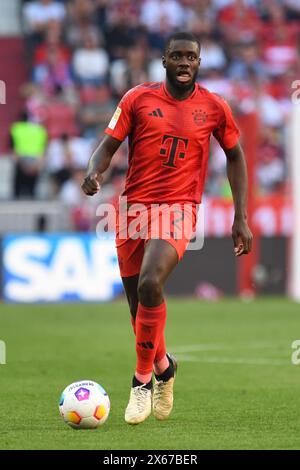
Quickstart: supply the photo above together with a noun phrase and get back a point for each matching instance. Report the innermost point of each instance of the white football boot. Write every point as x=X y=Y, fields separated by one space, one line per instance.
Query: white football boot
x=139 y=405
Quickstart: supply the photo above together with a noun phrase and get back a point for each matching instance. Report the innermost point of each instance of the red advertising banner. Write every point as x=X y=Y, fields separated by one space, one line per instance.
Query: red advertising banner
x=272 y=216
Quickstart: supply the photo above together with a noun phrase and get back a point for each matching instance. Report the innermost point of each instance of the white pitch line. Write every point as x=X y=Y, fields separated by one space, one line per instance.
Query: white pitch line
x=229 y=360
x=197 y=347
x=222 y=347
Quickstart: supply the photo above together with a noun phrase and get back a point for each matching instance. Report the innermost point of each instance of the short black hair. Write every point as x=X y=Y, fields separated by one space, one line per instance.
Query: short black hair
x=181 y=36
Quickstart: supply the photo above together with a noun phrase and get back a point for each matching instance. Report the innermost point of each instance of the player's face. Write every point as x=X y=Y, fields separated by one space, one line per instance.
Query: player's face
x=182 y=63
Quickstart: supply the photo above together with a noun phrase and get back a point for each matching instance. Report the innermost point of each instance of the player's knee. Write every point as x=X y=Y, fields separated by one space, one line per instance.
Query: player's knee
x=149 y=290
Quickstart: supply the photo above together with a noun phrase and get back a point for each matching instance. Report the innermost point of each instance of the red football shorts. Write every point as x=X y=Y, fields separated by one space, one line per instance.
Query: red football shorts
x=174 y=223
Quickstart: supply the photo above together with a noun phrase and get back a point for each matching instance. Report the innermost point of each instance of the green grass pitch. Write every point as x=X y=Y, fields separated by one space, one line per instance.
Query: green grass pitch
x=236 y=387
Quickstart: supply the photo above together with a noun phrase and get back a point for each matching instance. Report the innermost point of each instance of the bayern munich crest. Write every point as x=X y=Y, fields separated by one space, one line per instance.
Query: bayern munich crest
x=200 y=117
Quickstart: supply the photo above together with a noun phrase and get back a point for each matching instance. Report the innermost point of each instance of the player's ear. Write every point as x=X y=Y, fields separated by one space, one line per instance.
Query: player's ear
x=163 y=61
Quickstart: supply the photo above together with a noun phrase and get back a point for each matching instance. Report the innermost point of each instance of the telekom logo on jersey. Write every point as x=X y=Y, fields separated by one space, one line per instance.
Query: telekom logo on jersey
x=173 y=146
x=162 y=221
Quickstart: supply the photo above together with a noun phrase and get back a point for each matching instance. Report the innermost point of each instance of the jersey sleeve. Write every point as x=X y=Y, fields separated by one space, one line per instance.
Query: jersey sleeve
x=227 y=132
x=120 y=125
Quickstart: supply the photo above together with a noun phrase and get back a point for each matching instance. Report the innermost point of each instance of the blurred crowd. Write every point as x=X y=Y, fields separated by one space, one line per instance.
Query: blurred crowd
x=83 y=55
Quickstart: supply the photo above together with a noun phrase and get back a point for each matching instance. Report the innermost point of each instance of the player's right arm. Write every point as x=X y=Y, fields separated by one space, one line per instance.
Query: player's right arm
x=98 y=163
x=117 y=130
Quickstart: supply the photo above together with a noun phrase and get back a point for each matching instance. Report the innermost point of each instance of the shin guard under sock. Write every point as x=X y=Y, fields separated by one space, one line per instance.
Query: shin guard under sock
x=150 y=323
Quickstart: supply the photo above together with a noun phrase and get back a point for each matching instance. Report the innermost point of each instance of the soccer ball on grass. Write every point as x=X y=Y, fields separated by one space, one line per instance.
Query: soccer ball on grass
x=84 y=405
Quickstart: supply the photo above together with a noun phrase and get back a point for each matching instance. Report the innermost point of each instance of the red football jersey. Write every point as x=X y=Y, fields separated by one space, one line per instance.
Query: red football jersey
x=169 y=141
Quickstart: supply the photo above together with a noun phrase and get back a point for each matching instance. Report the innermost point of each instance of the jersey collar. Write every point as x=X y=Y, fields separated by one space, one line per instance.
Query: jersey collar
x=174 y=99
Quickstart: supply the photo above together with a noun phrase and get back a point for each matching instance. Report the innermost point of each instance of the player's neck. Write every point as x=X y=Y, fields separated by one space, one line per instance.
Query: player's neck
x=179 y=94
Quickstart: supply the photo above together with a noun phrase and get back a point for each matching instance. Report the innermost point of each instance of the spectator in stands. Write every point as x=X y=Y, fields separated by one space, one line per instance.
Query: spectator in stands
x=52 y=40
x=270 y=174
x=205 y=9
x=97 y=107
x=120 y=36
x=59 y=114
x=82 y=208
x=101 y=11
x=153 y=10
x=90 y=63
x=81 y=22
x=58 y=162
x=76 y=32
x=292 y=9
x=218 y=186
x=156 y=39
x=280 y=41
x=35 y=101
x=270 y=169
x=204 y=25
x=247 y=63
x=249 y=55
x=65 y=155
x=53 y=72
x=215 y=81
x=272 y=110
x=70 y=191
x=239 y=22
x=79 y=9
x=37 y=15
x=29 y=142
x=212 y=54
x=129 y=73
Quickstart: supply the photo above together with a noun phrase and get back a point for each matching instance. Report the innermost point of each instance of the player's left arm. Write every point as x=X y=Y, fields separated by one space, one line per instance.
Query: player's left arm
x=238 y=179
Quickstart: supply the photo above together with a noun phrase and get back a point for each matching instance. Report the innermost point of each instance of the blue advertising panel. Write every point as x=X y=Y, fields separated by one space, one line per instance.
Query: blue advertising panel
x=57 y=268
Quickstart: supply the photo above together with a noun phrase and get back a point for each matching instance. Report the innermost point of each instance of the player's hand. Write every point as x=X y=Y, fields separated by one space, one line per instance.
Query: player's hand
x=242 y=237
x=92 y=183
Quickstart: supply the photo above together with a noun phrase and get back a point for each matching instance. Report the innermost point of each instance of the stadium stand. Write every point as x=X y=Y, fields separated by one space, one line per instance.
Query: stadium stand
x=75 y=59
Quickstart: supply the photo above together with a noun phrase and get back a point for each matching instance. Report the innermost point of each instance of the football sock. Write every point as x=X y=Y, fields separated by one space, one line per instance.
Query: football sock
x=161 y=348
x=150 y=323
x=168 y=373
x=137 y=383
x=160 y=361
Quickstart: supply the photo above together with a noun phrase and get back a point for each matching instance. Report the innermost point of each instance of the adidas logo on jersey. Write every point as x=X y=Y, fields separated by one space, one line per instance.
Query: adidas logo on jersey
x=157 y=113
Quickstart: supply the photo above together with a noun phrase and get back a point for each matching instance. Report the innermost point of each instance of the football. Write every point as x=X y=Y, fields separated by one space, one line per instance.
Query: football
x=84 y=405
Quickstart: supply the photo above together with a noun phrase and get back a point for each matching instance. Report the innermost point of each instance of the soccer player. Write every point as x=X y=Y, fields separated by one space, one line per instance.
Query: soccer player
x=169 y=126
